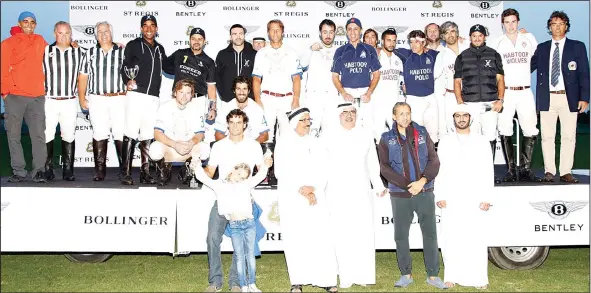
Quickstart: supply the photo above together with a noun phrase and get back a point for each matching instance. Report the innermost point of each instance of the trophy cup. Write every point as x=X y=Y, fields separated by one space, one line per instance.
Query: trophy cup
x=132 y=74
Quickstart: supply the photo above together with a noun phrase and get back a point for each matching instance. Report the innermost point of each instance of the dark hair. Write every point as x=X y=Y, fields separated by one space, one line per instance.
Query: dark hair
x=369 y=30
x=562 y=16
x=237 y=25
x=237 y=113
x=327 y=22
x=509 y=12
x=389 y=32
x=416 y=33
x=400 y=104
x=242 y=79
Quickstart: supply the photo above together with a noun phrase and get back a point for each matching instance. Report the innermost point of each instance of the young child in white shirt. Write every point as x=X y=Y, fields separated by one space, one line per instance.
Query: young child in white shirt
x=235 y=203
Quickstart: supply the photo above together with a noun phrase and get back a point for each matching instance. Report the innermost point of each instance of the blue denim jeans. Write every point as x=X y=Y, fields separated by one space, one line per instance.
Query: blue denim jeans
x=215 y=231
x=243 y=235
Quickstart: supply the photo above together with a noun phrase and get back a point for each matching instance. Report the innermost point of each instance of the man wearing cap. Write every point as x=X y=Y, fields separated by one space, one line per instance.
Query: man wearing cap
x=276 y=76
x=258 y=43
x=461 y=197
x=307 y=243
x=479 y=82
x=409 y=164
x=353 y=169
x=142 y=73
x=388 y=89
x=443 y=72
x=320 y=93
x=194 y=64
x=356 y=72
x=235 y=60
x=419 y=84
x=24 y=96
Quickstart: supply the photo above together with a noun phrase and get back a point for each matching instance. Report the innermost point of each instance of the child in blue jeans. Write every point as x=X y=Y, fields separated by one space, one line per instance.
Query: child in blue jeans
x=235 y=203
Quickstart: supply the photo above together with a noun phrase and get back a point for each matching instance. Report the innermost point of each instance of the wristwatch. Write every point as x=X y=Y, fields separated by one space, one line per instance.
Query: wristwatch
x=501 y=100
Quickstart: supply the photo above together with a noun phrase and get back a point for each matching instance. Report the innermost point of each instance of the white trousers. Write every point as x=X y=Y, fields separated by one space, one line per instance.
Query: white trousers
x=272 y=107
x=522 y=102
x=158 y=151
x=64 y=112
x=383 y=106
x=364 y=110
x=320 y=104
x=140 y=115
x=484 y=122
x=447 y=106
x=107 y=115
x=424 y=112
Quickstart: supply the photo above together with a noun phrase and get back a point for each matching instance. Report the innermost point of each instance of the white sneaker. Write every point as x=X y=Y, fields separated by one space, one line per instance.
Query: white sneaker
x=253 y=288
x=244 y=289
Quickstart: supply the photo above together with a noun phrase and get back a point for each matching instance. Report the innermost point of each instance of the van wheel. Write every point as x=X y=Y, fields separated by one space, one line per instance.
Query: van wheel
x=518 y=257
x=88 y=257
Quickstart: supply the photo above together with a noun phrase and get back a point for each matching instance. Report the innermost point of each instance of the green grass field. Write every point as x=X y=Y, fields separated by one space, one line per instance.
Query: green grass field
x=565 y=270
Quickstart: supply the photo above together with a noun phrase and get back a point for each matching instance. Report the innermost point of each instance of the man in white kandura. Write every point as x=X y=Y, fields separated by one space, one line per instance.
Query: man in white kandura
x=464 y=189
x=300 y=169
x=353 y=170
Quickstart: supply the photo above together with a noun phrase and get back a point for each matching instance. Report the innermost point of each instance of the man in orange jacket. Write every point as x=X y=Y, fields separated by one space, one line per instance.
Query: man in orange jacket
x=23 y=91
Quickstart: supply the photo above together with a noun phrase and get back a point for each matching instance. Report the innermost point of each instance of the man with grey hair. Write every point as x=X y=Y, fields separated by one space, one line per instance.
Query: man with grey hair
x=99 y=73
x=409 y=164
x=61 y=62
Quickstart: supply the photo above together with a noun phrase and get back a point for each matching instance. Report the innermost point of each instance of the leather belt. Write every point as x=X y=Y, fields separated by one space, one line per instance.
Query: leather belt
x=517 y=88
x=449 y=91
x=61 y=98
x=114 y=94
x=276 y=94
x=562 y=92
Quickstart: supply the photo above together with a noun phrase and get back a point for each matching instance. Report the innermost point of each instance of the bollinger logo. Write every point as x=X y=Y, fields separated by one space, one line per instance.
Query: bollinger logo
x=140 y=3
x=190 y=4
x=273 y=215
x=558 y=210
x=485 y=5
x=340 y=4
x=87 y=30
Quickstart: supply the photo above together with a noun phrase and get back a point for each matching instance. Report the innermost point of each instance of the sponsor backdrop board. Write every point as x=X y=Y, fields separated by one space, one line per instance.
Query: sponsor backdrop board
x=301 y=19
x=151 y=220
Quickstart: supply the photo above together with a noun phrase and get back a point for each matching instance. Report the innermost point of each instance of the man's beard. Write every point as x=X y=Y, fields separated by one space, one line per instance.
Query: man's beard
x=452 y=41
x=242 y=99
x=466 y=125
x=431 y=41
x=388 y=49
x=238 y=42
x=196 y=47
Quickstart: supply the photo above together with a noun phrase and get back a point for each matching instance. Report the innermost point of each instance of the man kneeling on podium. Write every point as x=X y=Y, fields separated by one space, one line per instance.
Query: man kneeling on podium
x=179 y=133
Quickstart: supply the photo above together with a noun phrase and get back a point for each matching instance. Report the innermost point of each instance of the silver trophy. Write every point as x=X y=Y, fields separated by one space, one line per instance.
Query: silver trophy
x=132 y=74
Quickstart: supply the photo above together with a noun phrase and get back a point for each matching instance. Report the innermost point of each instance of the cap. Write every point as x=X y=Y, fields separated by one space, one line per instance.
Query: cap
x=389 y=31
x=148 y=17
x=353 y=20
x=479 y=28
x=26 y=14
x=259 y=39
x=198 y=31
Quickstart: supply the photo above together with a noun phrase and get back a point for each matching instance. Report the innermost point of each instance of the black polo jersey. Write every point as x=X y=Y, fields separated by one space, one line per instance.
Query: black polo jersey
x=200 y=68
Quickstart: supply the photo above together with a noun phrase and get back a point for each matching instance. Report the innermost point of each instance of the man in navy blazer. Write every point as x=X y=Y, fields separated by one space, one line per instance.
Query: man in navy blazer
x=562 y=91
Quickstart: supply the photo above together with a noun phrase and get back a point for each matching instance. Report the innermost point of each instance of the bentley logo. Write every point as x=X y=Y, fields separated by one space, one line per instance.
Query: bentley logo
x=273 y=215
x=437 y=4
x=247 y=28
x=290 y=4
x=89 y=147
x=189 y=29
x=558 y=209
x=340 y=4
x=140 y=3
x=87 y=30
x=399 y=29
x=190 y=4
x=340 y=31
x=485 y=5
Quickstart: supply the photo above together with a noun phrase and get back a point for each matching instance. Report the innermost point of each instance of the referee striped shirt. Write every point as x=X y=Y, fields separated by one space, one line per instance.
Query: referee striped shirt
x=103 y=70
x=61 y=70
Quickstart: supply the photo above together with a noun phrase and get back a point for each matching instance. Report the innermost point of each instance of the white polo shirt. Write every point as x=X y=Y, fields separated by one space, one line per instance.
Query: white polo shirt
x=390 y=75
x=276 y=67
x=317 y=65
x=516 y=58
x=444 y=65
x=179 y=124
x=257 y=124
x=226 y=154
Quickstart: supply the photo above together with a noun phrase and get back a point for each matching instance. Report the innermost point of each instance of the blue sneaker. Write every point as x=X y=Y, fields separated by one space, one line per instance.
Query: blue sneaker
x=403 y=282
x=436 y=282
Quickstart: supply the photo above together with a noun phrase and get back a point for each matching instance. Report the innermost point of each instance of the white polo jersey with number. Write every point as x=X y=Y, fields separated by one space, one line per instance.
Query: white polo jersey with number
x=516 y=58
x=318 y=65
x=276 y=67
x=179 y=124
x=390 y=75
x=257 y=124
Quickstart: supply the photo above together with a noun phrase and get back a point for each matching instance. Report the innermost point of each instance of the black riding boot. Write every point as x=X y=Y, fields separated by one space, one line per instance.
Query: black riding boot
x=118 y=146
x=163 y=172
x=186 y=174
x=49 y=174
x=507 y=146
x=493 y=147
x=99 y=149
x=127 y=149
x=145 y=176
x=68 y=149
x=527 y=152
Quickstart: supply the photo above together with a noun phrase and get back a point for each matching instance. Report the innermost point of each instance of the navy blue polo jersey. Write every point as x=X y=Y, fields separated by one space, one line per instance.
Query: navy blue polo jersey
x=355 y=65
